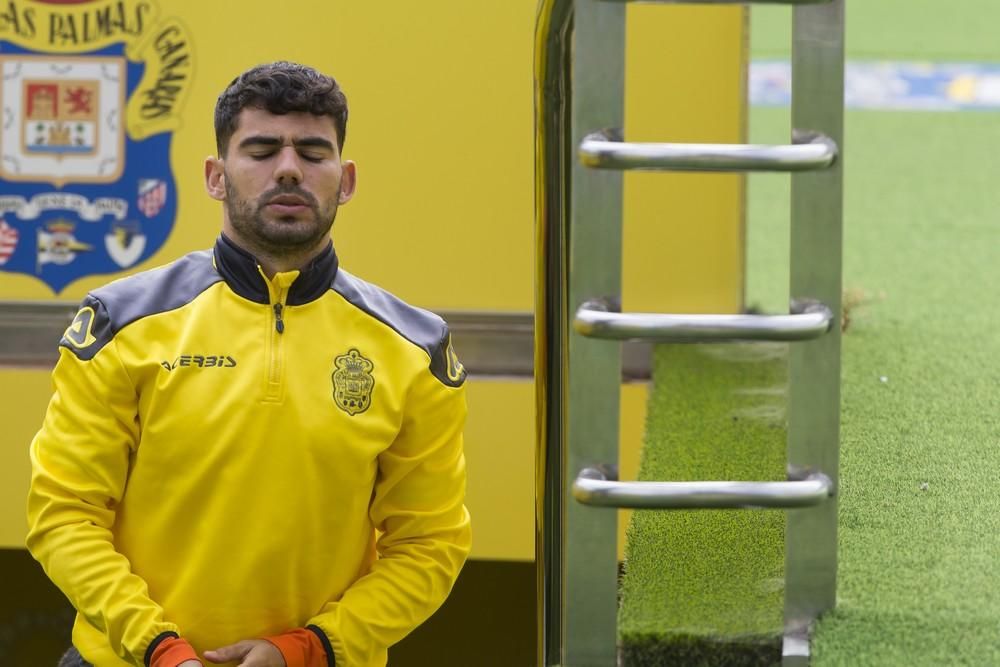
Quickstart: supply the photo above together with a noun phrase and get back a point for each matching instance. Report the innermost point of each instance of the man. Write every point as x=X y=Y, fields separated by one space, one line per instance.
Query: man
x=252 y=456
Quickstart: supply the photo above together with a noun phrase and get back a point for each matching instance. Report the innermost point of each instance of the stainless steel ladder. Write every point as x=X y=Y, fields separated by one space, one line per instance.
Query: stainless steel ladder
x=579 y=65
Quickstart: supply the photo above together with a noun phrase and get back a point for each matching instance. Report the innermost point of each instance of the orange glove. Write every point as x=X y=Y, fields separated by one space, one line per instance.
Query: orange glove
x=171 y=652
x=302 y=648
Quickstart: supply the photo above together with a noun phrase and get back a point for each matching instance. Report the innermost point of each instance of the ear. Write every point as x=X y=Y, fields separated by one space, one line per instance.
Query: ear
x=348 y=180
x=215 y=178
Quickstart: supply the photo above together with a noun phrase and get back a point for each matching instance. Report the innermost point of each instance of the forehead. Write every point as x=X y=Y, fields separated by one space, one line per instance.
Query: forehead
x=296 y=124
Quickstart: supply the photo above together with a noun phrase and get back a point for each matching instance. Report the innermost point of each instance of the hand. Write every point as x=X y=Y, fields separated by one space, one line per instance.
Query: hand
x=190 y=663
x=252 y=653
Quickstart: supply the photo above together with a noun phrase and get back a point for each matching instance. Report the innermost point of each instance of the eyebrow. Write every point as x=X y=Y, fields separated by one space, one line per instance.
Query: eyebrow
x=265 y=140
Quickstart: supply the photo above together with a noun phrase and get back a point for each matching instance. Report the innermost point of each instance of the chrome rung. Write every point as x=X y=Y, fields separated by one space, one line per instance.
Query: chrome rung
x=595 y=321
x=591 y=487
x=600 y=151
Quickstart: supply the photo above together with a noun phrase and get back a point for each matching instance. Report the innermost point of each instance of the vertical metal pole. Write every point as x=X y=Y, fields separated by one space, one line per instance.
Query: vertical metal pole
x=552 y=159
x=814 y=367
x=594 y=366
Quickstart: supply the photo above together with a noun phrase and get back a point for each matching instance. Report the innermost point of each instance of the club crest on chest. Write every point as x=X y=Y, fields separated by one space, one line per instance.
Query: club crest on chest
x=353 y=382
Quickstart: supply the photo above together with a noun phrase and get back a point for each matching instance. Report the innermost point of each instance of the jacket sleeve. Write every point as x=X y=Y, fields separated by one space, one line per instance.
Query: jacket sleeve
x=80 y=463
x=418 y=509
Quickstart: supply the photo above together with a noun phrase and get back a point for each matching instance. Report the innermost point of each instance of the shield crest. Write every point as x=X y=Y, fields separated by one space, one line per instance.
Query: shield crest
x=65 y=118
x=353 y=382
x=75 y=175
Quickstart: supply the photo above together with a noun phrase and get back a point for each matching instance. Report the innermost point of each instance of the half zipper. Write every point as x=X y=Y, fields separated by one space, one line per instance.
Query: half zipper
x=277 y=289
x=279 y=324
x=277 y=353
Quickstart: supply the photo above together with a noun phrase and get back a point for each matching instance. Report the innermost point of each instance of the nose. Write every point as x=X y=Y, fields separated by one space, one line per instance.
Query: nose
x=288 y=168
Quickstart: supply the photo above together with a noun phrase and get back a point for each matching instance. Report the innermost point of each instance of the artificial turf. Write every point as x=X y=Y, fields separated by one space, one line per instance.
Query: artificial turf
x=919 y=520
x=919 y=510
x=919 y=523
x=704 y=587
x=927 y=30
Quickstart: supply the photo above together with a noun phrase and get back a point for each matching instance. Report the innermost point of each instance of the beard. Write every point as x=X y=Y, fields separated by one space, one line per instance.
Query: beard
x=279 y=236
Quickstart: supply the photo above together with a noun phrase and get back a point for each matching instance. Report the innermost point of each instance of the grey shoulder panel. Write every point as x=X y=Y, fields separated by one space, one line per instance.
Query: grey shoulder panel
x=421 y=327
x=107 y=310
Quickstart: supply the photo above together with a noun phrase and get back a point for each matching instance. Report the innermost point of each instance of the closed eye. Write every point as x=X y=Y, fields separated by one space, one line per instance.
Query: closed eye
x=312 y=156
x=311 y=149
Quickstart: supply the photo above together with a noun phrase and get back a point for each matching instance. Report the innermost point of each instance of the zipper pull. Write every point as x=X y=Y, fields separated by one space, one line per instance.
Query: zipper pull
x=279 y=324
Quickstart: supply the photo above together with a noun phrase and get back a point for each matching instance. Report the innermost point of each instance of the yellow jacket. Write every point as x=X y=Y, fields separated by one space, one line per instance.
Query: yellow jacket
x=221 y=449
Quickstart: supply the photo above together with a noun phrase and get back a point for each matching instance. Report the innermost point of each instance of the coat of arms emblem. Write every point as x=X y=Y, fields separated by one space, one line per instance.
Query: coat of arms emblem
x=353 y=382
x=88 y=109
x=67 y=119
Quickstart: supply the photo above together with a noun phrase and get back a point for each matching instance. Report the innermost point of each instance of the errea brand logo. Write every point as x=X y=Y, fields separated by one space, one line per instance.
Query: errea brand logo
x=200 y=361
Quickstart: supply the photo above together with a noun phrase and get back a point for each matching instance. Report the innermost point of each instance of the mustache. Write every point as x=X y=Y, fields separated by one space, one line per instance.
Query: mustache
x=291 y=190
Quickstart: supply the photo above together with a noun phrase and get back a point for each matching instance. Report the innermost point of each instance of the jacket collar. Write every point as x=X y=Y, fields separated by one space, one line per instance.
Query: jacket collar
x=239 y=269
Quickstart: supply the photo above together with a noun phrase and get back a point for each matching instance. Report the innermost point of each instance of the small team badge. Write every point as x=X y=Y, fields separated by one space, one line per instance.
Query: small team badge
x=125 y=243
x=353 y=382
x=152 y=196
x=9 y=237
x=58 y=244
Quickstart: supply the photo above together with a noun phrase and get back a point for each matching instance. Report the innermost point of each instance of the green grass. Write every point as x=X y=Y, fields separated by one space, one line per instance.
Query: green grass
x=919 y=522
x=704 y=587
x=928 y=30
x=919 y=513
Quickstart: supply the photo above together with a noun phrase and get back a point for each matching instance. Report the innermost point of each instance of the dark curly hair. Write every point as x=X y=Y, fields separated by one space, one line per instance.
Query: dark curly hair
x=279 y=88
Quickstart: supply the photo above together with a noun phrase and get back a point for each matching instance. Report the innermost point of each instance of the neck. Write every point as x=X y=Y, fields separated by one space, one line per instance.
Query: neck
x=279 y=260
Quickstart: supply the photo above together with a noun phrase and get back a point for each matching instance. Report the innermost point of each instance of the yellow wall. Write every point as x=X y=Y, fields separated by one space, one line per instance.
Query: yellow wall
x=500 y=450
x=683 y=242
x=441 y=128
x=25 y=393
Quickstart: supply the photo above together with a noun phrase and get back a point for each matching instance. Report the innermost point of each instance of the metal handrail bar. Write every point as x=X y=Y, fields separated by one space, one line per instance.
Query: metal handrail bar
x=601 y=150
x=595 y=321
x=591 y=487
x=553 y=40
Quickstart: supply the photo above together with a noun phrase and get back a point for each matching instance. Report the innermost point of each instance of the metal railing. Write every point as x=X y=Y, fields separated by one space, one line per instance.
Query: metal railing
x=595 y=321
x=579 y=87
x=600 y=151
x=592 y=487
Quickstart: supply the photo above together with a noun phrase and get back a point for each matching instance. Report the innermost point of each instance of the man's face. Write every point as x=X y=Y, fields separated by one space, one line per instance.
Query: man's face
x=281 y=181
